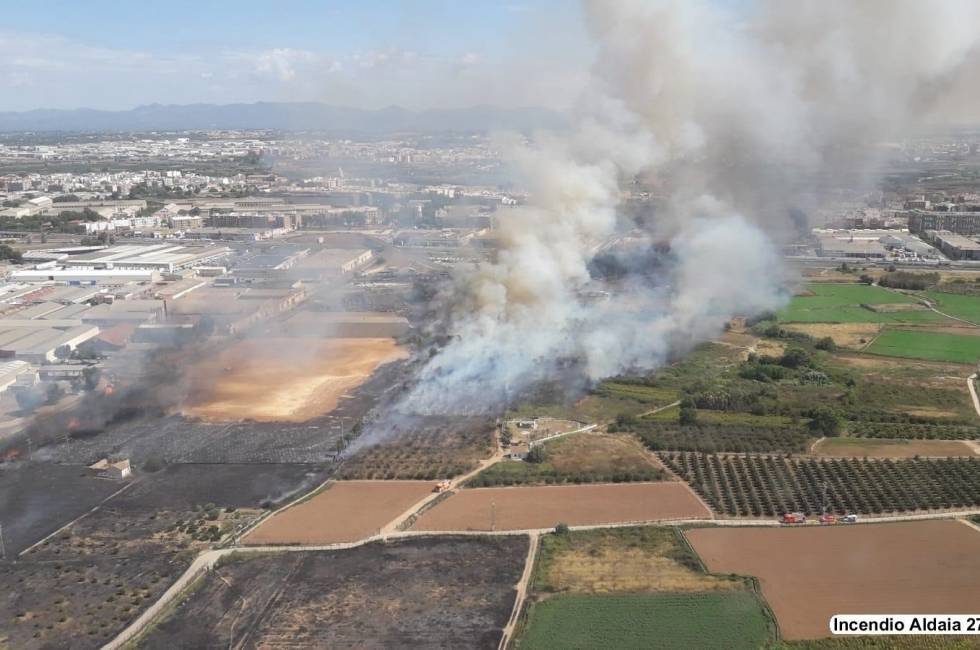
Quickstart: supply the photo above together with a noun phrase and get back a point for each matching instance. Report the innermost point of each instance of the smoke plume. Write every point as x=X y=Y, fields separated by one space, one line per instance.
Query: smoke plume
x=736 y=119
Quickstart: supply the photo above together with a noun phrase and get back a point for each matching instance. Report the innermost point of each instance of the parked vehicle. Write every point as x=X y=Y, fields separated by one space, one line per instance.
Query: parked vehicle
x=793 y=518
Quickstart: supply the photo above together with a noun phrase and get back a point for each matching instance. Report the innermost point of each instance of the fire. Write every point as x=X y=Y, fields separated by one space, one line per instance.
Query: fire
x=12 y=454
x=109 y=389
x=73 y=424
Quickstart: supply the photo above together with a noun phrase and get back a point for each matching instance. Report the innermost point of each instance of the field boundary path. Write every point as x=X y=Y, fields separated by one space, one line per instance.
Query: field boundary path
x=392 y=526
x=967 y=522
x=588 y=427
x=534 y=539
x=201 y=565
x=658 y=409
x=971 y=383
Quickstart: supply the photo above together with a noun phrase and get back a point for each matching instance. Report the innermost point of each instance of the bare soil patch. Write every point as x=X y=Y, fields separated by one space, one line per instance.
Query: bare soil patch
x=884 y=448
x=291 y=380
x=344 y=512
x=845 y=335
x=544 y=507
x=810 y=574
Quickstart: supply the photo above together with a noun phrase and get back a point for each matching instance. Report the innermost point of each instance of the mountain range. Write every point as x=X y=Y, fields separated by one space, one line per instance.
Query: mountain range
x=294 y=116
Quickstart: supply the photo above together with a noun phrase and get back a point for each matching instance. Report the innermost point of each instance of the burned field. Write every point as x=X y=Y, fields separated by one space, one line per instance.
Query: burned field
x=809 y=574
x=84 y=584
x=448 y=592
x=38 y=498
x=425 y=448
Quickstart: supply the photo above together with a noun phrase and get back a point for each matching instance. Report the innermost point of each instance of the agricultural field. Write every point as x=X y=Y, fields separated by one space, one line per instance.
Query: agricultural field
x=578 y=458
x=634 y=559
x=890 y=389
x=660 y=620
x=888 y=448
x=425 y=448
x=913 y=430
x=520 y=508
x=924 y=344
x=707 y=437
x=885 y=642
x=635 y=587
x=908 y=567
x=850 y=336
x=842 y=303
x=766 y=485
x=345 y=511
x=447 y=592
x=966 y=307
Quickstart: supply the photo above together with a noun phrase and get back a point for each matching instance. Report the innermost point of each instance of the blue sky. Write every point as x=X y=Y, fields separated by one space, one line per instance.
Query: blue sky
x=116 y=55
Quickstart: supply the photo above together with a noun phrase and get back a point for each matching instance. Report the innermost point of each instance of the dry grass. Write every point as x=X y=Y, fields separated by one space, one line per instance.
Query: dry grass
x=623 y=560
x=845 y=335
x=599 y=453
x=290 y=380
x=883 y=448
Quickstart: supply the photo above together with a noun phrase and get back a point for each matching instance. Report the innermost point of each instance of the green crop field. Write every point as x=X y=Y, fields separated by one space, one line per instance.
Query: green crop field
x=934 y=346
x=733 y=619
x=841 y=303
x=965 y=307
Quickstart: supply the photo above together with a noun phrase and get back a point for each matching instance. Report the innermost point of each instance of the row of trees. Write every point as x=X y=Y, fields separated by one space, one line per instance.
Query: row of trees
x=757 y=485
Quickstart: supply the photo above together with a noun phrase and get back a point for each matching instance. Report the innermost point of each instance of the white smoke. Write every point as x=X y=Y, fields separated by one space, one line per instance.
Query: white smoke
x=735 y=118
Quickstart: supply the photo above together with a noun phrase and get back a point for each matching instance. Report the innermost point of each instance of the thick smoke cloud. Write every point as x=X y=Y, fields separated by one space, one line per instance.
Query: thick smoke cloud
x=736 y=120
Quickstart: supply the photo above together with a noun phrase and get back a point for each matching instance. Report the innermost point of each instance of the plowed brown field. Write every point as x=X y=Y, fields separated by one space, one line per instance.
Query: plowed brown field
x=345 y=512
x=291 y=380
x=518 y=508
x=810 y=574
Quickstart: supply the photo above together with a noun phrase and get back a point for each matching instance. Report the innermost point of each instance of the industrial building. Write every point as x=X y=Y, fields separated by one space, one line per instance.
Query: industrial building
x=954 y=245
x=850 y=245
x=347 y=324
x=43 y=342
x=85 y=276
x=961 y=223
x=166 y=258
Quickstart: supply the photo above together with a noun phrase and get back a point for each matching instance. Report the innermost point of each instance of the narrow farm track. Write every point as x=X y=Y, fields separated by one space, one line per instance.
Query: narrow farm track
x=971 y=383
x=521 y=589
x=206 y=560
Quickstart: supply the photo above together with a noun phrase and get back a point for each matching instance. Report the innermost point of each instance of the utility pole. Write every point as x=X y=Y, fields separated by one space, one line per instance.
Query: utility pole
x=493 y=516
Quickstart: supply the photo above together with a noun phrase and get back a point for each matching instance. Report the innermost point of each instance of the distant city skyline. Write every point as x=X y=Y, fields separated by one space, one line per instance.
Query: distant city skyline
x=429 y=54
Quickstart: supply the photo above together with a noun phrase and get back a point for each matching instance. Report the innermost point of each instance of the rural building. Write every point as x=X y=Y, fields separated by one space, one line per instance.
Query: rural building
x=118 y=469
